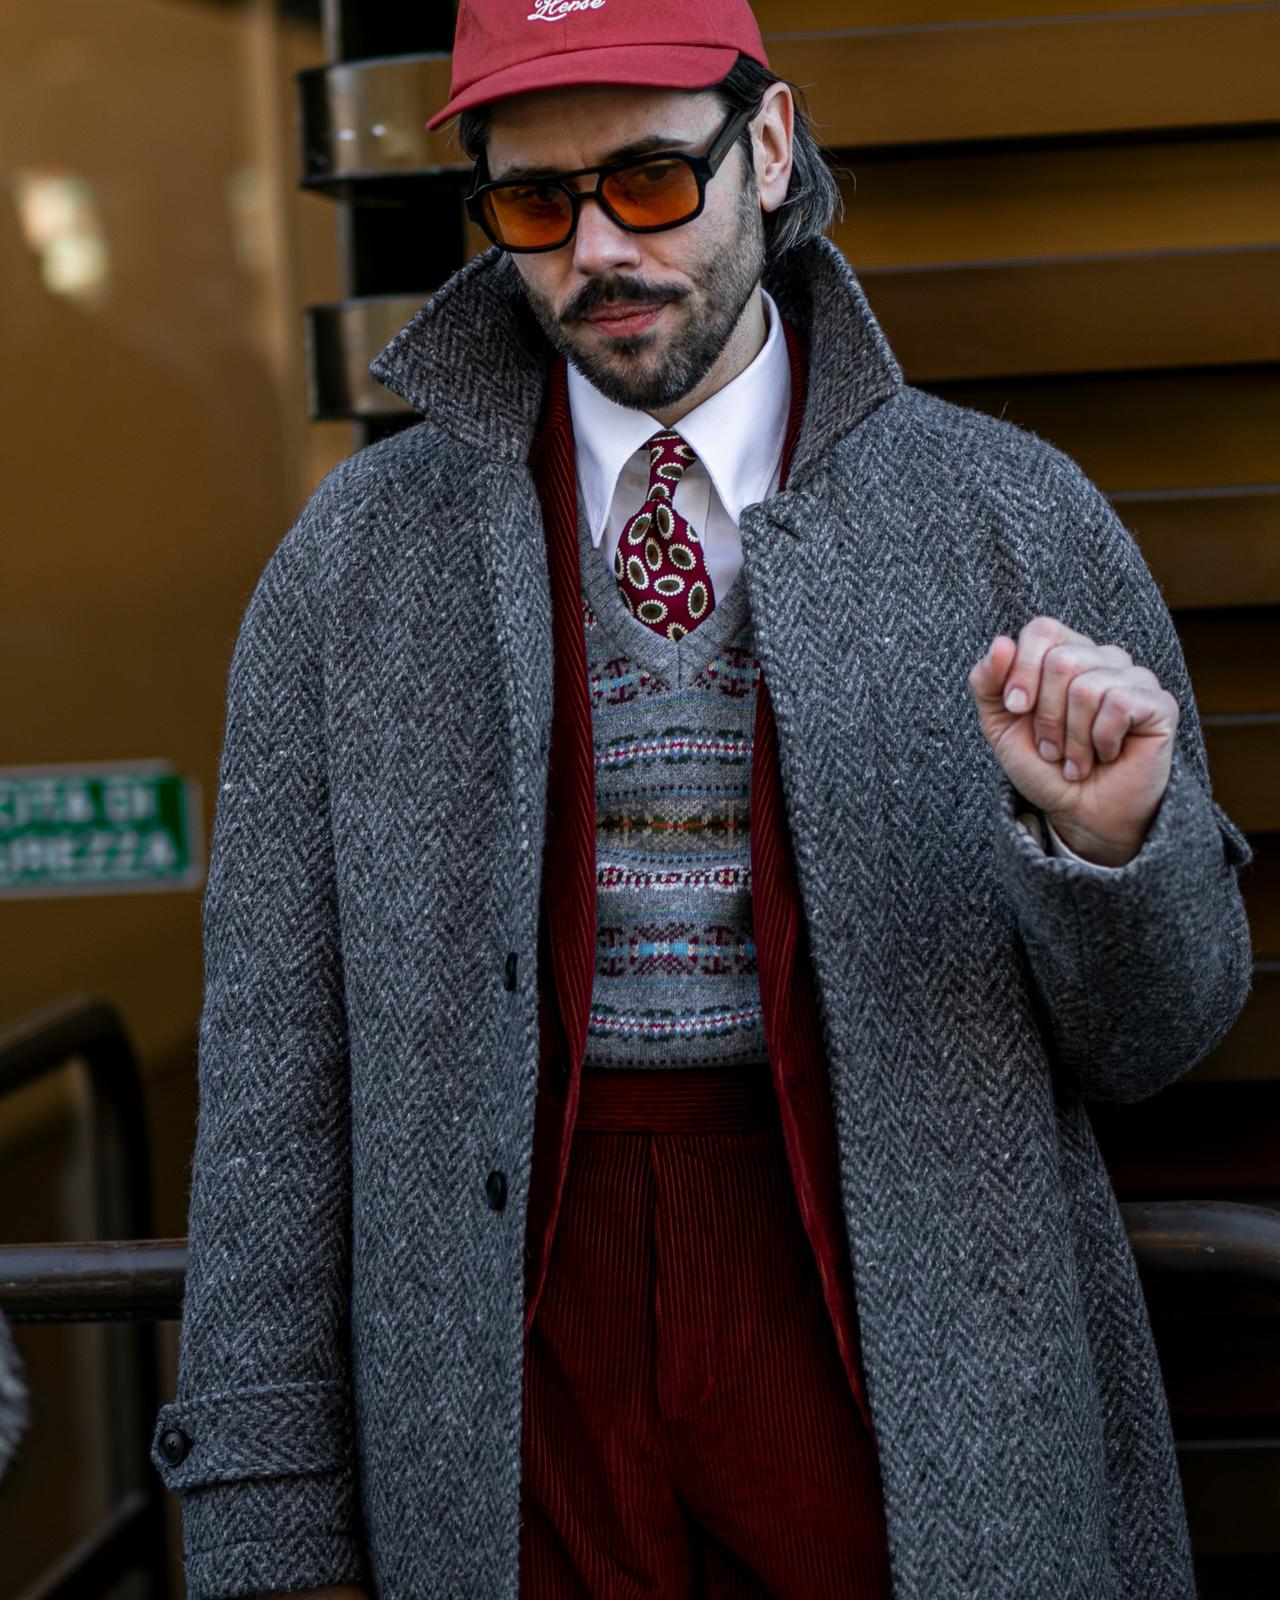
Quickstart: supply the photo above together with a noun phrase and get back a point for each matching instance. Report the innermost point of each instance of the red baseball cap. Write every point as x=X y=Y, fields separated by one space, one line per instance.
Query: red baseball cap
x=507 y=47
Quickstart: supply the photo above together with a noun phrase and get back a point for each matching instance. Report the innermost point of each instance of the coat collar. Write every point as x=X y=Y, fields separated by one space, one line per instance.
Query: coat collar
x=474 y=361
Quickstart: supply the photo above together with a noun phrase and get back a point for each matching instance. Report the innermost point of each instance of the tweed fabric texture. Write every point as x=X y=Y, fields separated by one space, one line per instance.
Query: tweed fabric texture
x=15 y=1398
x=676 y=981
x=364 y=1066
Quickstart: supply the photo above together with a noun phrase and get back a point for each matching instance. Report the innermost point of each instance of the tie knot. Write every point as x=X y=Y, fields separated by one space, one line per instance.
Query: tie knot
x=669 y=459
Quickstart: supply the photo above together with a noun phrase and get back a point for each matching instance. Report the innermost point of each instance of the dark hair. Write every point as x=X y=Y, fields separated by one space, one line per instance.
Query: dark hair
x=813 y=197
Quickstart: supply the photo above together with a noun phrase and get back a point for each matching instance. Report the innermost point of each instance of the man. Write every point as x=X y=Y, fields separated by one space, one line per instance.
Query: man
x=701 y=803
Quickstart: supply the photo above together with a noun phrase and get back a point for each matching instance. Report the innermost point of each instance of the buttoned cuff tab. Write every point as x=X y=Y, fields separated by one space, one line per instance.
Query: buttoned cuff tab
x=1235 y=845
x=271 y=1431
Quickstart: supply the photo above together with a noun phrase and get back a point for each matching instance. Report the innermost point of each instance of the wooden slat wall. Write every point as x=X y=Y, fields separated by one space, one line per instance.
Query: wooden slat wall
x=943 y=73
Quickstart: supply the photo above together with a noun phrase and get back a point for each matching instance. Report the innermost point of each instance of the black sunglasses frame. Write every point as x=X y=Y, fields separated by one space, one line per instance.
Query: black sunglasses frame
x=703 y=167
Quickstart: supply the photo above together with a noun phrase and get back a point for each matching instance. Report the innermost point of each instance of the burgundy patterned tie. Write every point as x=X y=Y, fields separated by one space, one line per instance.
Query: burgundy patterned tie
x=660 y=567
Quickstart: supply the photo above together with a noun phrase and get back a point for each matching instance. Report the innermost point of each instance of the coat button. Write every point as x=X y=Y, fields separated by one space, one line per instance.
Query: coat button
x=174 y=1445
x=509 y=970
x=495 y=1189
x=558 y=1071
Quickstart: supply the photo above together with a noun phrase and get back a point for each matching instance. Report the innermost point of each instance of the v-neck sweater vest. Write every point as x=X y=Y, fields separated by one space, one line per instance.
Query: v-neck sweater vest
x=676 y=982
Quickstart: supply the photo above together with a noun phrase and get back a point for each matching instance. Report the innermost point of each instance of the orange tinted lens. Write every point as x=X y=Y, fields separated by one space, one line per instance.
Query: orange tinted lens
x=652 y=193
x=525 y=214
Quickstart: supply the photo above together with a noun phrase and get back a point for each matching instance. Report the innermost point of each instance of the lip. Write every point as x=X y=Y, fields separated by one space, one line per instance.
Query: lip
x=622 y=320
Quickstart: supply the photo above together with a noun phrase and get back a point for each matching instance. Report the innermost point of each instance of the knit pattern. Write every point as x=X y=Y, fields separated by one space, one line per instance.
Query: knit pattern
x=676 y=983
x=377 y=850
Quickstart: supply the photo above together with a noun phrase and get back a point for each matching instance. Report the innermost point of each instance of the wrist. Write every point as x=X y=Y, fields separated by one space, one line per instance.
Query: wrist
x=1092 y=848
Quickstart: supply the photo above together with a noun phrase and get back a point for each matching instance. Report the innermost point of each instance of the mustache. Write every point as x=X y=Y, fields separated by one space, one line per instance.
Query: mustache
x=608 y=291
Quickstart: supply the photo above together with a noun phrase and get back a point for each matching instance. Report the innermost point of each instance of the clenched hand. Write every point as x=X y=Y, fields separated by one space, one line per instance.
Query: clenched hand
x=1080 y=731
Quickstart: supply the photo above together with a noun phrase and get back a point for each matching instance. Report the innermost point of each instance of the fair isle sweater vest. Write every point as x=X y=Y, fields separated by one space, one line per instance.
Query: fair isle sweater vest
x=675 y=981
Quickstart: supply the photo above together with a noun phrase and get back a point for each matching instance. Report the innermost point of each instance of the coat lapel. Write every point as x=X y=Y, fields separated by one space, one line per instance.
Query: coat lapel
x=815 y=621
x=774 y=902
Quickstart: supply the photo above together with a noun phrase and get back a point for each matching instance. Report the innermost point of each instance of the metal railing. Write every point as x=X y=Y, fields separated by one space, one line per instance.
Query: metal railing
x=1223 y=1239
x=142 y=1279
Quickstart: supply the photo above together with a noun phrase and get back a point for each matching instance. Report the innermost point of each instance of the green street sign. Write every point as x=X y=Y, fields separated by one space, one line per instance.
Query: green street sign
x=98 y=828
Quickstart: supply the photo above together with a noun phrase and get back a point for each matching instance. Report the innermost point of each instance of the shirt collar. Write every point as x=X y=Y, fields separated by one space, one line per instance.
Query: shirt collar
x=737 y=433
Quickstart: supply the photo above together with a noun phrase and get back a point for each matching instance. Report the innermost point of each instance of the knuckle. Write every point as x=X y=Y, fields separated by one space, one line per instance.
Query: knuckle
x=1041 y=627
x=1081 y=692
x=1055 y=664
x=1118 y=705
x=1068 y=659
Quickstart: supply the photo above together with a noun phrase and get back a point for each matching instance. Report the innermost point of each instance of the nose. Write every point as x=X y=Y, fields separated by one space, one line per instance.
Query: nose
x=600 y=245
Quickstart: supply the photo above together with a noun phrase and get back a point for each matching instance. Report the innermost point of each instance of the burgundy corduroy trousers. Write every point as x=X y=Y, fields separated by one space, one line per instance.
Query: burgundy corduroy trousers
x=689 y=1425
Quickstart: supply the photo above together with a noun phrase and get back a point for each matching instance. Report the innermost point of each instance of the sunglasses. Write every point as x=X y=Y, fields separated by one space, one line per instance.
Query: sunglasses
x=646 y=195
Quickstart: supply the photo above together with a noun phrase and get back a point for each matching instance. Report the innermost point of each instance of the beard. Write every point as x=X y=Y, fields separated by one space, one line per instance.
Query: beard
x=721 y=288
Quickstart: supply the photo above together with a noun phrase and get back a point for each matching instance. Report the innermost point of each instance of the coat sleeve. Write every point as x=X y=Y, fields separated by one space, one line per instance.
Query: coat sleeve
x=1138 y=972
x=257 y=1442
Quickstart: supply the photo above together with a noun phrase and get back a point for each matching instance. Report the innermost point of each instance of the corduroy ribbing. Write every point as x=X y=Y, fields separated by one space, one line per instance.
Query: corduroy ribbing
x=688 y=1427
x=697 y=1100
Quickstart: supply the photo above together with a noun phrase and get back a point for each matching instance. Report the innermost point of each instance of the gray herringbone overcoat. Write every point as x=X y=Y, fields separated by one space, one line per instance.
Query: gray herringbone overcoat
x=349 y=1391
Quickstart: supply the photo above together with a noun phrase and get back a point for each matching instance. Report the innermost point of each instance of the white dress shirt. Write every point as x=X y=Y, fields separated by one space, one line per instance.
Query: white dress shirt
x=737 y=435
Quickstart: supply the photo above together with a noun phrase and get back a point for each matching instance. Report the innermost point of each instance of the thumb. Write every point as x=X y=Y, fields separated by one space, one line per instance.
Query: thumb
x=987 y=680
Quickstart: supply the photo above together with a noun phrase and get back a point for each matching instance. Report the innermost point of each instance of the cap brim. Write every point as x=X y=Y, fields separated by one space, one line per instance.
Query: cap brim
x=652 y=66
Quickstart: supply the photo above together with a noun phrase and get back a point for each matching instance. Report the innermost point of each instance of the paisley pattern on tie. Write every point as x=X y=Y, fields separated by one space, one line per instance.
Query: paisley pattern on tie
x=660 y=566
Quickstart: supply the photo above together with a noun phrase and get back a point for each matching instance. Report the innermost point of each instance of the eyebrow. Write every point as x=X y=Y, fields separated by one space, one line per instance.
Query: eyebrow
x=638 y=147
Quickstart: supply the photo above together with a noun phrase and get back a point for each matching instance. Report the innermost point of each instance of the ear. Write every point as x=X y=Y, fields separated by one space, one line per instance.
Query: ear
x=771 y=135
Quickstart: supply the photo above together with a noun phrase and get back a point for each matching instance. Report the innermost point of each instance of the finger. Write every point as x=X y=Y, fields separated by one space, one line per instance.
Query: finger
x=1037 y=638
x=1060 y=666
x=1085 y=694
x=1131 y=707
x=986 y=677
